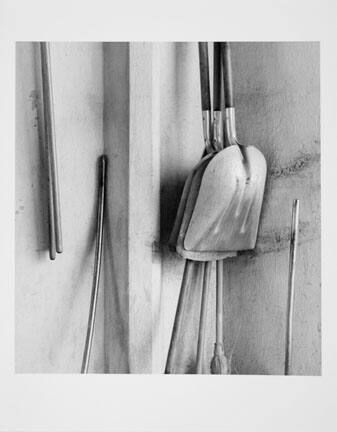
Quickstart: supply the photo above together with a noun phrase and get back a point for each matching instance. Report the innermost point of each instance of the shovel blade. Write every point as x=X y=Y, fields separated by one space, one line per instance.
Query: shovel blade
x=227 y=210
x=185 y=197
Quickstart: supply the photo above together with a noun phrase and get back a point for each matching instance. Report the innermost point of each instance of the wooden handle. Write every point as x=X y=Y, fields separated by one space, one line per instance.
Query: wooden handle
x=227 y=73
x=204 y=77
x=219 y=302
x=217 y=76
x=178 y=320
x=203 y=315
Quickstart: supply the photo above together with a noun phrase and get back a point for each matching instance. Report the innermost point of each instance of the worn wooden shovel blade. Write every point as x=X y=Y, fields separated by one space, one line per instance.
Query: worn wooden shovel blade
x=226 y=212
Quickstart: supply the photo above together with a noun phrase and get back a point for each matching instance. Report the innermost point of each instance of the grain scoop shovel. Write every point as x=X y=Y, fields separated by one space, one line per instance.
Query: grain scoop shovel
x=190 y=192
x=213 y=140
x=220 y=207
x=226 y=211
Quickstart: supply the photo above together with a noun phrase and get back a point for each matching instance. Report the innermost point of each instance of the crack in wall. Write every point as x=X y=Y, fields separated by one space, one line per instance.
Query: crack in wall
x=302 y=162
x=277 y=240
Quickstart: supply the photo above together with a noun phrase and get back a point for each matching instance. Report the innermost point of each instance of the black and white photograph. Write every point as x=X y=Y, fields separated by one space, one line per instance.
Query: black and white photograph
x=169 y=216
x=167 y=208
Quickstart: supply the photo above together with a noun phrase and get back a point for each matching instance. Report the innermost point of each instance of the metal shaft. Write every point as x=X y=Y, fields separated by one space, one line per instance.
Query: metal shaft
x=203 y=316
x=219 y=302
x=291 y=290
x=52 y=240
x=97 y=268
x=54 y=199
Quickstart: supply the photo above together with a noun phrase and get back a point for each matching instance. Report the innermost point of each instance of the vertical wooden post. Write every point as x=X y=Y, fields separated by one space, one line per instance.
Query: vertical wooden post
x=131 y=122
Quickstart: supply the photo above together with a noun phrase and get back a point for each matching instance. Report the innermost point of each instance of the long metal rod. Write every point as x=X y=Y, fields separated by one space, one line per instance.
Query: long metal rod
x=52 y=240
x=97 y=268
x=51 y=143
x=203 y=316
x=291 y=289
x=178 y=320
x=219 y=302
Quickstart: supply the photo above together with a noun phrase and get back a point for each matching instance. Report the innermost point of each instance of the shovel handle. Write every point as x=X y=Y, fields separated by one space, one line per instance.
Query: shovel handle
x=227 y=72
x=219 y=302
x=178 y=320
x=204 y=77
x=217 y=76
x=203 y=316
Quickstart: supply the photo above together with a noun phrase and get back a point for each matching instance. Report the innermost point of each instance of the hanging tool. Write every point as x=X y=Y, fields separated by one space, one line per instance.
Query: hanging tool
x=98 y=259
x=186 y=206
x=207 y=267
x=227 y=210
x=219 y=363
x=205 y=96
x=190 y=189
x=217 y=141
x=221 y=203
x=218 y=134
x=55 y=230
x=291 y=285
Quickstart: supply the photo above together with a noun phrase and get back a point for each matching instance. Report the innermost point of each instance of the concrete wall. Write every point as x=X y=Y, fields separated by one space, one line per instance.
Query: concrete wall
x=142 y=100
x=52 y=298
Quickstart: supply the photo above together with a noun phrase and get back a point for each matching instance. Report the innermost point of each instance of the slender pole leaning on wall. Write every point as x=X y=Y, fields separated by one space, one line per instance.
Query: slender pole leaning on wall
x=55 y=229
x=98 y=260
x=291 y=280
x=203 y=316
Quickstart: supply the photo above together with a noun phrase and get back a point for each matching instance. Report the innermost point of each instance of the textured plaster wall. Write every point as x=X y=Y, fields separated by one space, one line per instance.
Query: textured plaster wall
x=52 y=298
x=140 y=103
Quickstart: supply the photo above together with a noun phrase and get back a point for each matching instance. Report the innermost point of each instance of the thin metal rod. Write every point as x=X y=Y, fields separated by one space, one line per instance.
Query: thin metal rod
x=291 y=280
x=51 y=142
x=203 y=316
x=97 y=268
x=219 y=302
x=178 y=320
x=52 y=243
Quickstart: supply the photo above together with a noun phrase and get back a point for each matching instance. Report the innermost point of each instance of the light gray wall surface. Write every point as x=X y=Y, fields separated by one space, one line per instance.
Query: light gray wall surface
x=52 y=298
x=140 y=102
